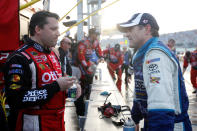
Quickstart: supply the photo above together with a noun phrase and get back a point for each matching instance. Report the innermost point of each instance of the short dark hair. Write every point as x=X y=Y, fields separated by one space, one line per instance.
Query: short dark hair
x=188 y=54
x=40 y=19
x=171 y=40
x=154 y=32
x=93 y=31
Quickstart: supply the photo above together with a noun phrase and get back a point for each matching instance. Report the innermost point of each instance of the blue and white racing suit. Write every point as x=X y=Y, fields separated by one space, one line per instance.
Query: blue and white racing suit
x=160 y=96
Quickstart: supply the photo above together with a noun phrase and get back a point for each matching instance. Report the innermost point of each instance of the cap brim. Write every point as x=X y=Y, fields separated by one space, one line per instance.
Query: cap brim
x=123 y=27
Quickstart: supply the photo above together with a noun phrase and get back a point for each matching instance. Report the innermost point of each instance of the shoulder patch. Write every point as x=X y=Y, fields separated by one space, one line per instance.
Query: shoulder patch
x=152 y=60
x=154 y=80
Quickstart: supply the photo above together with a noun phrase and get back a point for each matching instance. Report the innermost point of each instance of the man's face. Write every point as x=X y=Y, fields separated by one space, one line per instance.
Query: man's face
x=50 y=32
x=116 y=48
x=66 y=44
x=136 y=36
x=171 y=44
x=93 y=36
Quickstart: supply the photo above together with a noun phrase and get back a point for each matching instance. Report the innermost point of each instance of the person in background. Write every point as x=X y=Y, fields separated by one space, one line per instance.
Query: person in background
x=89 y=54
x=35 y=88
x=65 y=45
x=191 y=58
x=130 y=68
x=106 y=55
x=125 y=66
x=115 y=61
x=171 y=45
x=160 y=95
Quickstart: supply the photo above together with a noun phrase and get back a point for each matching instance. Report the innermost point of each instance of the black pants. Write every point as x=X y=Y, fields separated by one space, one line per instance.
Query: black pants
x=125 y=67
x=86 y=90
x=80 y=106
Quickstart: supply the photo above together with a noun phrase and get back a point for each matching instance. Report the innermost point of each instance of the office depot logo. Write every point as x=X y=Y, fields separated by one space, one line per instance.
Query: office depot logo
x=48 y=76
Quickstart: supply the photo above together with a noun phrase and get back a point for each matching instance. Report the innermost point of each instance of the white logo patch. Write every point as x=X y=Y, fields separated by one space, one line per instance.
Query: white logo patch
x=35 y=95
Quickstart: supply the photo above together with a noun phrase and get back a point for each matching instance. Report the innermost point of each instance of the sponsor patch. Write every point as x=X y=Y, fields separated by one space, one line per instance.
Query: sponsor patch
x=38 y=47
x=39 y=60
x=139 y=84
x=154 y=72
x=81 y=52
x=153 y=67
x=16 y=66
x=48 y=76
x=53 y=59
x=140 y=90
x=42 y=66
x=154 y=80
x=47 y=65
x=145 y=21
x=139 y=73
x=43 y=57
x=81 y=47
x=35 y=95
x=15 y=78
x=34 y=53
x=152 y=60
x=15 y=71
x=15 y=86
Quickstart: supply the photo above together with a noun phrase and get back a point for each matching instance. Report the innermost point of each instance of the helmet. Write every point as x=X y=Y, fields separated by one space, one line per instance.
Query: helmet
x=108 y=112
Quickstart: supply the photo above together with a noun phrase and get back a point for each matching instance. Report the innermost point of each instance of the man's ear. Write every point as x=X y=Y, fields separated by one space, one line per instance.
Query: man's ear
x=37 y=29
x=148 y=28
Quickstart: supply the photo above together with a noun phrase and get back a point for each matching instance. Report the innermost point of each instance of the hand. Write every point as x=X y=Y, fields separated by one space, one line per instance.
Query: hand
x=78 y=94
x=101 y=60
x=90 y=69
x=65 y=82
x=129 y=79
x=184 y=69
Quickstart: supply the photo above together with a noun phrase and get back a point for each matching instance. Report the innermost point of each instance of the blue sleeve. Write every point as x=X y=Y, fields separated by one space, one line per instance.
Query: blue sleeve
x=136 y=113
x=160 y=120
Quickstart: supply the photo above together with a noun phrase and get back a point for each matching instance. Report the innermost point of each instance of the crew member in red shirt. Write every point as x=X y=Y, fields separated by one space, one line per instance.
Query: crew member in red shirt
x=191 y=58
x=115 y=63
x=89 y=54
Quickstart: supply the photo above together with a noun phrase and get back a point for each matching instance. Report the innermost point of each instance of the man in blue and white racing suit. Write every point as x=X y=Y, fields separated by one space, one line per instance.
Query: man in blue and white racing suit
x=160 y=97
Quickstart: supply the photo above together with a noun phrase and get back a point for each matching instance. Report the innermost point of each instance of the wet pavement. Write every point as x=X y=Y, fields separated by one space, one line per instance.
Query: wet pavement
x=71 y=120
